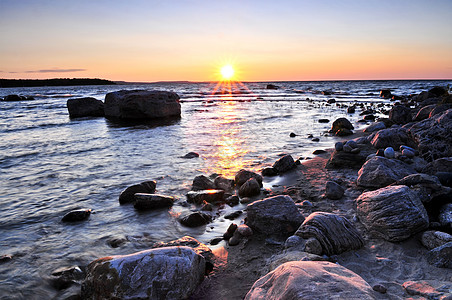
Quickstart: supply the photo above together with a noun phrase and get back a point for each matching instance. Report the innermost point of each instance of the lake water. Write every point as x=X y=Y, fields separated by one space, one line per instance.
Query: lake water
x=51 y=164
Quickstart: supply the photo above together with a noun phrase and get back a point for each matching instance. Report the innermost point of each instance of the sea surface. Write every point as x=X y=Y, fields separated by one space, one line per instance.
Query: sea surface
x=51 y=164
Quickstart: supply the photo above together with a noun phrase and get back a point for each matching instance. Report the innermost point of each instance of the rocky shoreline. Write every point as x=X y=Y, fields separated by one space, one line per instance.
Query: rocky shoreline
x=369 y=219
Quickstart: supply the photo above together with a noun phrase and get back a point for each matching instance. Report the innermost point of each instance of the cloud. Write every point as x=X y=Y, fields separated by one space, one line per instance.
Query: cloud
x=54 y=71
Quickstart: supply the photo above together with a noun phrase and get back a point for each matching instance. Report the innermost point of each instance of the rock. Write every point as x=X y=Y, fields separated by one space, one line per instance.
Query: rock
x=207 y=207
x=392 y=137
x=438 y=91
x=209 y=196
x=230 y=231
x=342 y=159
x=215 y=241
x=223 y=183
x=369 y=118
x=389 y=152
x=64 y=277
x=400 y=114
x=408 y=153
x=346 y=148
x=443 y=164
x=424 y=113
x=279 y=259
x=324 y=121
x=315 y=139
x=439 y=109
x=441 y=257
x=445 y=178
x=152 y=201
x=351 y=110
x=385 y=93
x=85 y=107
x=432 y=239
x=232 y=200
x=269 y=171
x=128 y=195
x=295 y=243
x=379 y=171
x=245 y=200
x=334 y=233
x=5 y=258
x=292 y=135
x=140 y=104
x=310 y=280
x=275 y=215
x=313 y=246
x=339 y=124
x=243 y=175
x=434 y=136
x=343 y=132
x=250 y=188
x=202 y=182
x=191 y=155
x=77 y=215
x=284 y=164
x=331 y=101
x=116 y=242
x=445 y=215
x=333 y=190
x=195 y=219
x=233 y=215
x=164 y=273
x=318 y=152
x=235 y=239
x=393 y=213
x=338 y=146
x=272 y=87
x=380 y=288
x=422 y=288
x=424 y=184
x=375 y=127
x=245 y=230
x=12 y=98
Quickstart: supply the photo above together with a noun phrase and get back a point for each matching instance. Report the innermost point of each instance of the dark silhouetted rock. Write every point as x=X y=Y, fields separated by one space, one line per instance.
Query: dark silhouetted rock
x=250 y=188
x=275 y=215
x=292 y=134
x=64 y=277
x=379 y=171
x=230 y=231
x=269 y=171
x=441 y=257
x=243 y=175
x=318 y=152
x=195 y=219
x=284 y=164
x=333 y=190
x=232 y=200
x=272 y=87
x=386 y=93
x=443 y=164
x=152 y=201
x=351 y=110
x=12 y=98
x=77 y=215
x=128 y=195
x=393 y=213
x=191 y=155
x=223 y=183
x=164 y=273
x=340 y=124
x=209 y=196
x=233 y=215
x=85 y=107
x=375 y=127
x=400 y=114
x=310 y=280
x=202 y=182
x=140 y=104
x=324 y=121
x=424 y=112
x=335 y=233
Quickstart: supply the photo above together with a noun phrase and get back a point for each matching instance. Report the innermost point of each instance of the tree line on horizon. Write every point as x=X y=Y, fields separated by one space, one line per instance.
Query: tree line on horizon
x=7 y=83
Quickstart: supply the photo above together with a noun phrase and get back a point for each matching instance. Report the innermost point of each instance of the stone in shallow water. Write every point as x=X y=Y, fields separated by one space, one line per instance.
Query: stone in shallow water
x=284 y=164
x=77 y=215
x=128 y=195
x=195 y=219
x=250 y=188
x=202 y=182
x=209 y=196
x=152 y=201
x=85 y=107
x=243 y=175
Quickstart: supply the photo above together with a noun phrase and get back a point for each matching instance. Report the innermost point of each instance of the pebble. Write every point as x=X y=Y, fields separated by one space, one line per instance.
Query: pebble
x=380 y=288
x=232 y=200
x=230 y=231
x=324 y=121
x=338 y=146
x=389 y=152
x=215 y=241
x=292 y=134
x=245 y=200
x=315 y=139
x=306 y=203
x=235 y=239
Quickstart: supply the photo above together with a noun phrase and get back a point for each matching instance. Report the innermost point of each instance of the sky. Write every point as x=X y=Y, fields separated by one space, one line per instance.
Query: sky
x=171 y=40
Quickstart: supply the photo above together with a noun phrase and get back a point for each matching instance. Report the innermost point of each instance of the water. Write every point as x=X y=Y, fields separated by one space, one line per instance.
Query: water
x=51 y=164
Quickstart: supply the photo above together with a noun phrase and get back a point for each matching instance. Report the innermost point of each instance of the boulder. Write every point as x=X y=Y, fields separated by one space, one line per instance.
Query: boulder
x=128 y=195
x=441 y=257
x=393 y=213
x=141 y=104
x=342 y=159
x=310 y=280
x=428 y=289
x=250 y=188
x=439 y=109
x=272 y=87
x=223 y=183
x=152 y=201
x=335 y=233
x=202 y=182
x=424 y=113
x=232 y=200
x=443 y=164
x=287 y=256
x=269 y=171
x=434 y=136
x=386 y=93
x=379 y=171
x=333 y=190
x=284 y=164
x=195 y=219
x=13 y=98
x=275 y=215
x=76 y=215
x=392 y=137
x=209 y=196
x=85 y=107
x=445 y=215
x=432 y=239
x=340 y=124
x=163 y=273
x=375 y=127
x=243 y=175
x=425 y=184
x=64 y=277
x=400 y=114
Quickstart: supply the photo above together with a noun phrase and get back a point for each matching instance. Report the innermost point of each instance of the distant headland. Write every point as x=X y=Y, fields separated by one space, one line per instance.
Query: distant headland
x=8 y=83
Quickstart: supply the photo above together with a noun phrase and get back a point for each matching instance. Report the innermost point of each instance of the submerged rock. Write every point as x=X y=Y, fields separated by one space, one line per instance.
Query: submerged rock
x=334 y=233
x=310 y=280
x=195 y=219
x=191 y=155
x=77 y=215
x=393 y=213
x=85 y=107
x=128 y=195
x=164 y=273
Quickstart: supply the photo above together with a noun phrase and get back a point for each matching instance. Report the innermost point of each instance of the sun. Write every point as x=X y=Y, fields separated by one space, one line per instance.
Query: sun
x=227 y=72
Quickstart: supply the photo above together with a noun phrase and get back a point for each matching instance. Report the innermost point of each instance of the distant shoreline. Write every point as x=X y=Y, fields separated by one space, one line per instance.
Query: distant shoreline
x=10 y=83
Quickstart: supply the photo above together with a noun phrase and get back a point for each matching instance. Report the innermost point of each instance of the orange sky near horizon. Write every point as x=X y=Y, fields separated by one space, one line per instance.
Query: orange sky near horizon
x=145 y=41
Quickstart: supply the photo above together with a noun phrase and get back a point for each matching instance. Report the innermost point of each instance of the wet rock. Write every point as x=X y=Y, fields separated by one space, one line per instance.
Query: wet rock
x=432 y=239
x=386 y=93
x=233 y=215
x=333 y=190
x=64 y=277
x=423 y=289
x=334 y=233
x=295 y=243
x=284 y=164
x=215 y=241
x=12 y=98
x=250 y=188
x=380 y=171
x=369 y=118
x=235 y=239
x=351 y=110
x=5 y=258
x=245 y=200
x=191 y=155
x=392 y=137
x=243 y=175
x=275 y=215
x=230 y=231
x=445 y=215
x=324 y=121
x=441 y=257
x=389 y=152
x=400 y=114
x=342 y=159
x=315 y=139
x=141 y=104
x=339 y=146
x=245 y=230
x=424 y=113
x=202 y=182
x=375 y=127
x=380 y=288
x=165 y=273
x=232 y=200
x=152 y=201
x=269 y=172
x=195 y=219
x=209 y=196
x=340 y=124
x=343 y=132
x=116 y=242
x=77 y=215
x=434 y=136
x=292 y=134
x=207 y=207
x=272 y=87
x=85 y=107
x=128 y=195
x=318 y=152
x=310 y=280
x=223 y=183
x=393 y=213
